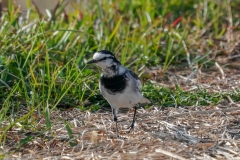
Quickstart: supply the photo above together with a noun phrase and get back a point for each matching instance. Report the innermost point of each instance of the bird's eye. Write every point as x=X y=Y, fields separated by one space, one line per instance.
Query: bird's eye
x=103 y=59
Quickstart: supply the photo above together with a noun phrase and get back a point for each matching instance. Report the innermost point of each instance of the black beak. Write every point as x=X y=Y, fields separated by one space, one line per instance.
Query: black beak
x=92 y=61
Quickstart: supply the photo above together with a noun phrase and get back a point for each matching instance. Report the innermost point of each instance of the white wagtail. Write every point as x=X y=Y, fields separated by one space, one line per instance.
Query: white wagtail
x=119 y=86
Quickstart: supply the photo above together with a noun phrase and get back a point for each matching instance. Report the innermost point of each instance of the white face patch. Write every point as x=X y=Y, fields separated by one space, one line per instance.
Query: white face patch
x=105 y=63
x=98 y=56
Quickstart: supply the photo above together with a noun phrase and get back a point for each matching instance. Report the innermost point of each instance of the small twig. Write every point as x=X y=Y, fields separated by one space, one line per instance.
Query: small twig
x=199 y=74
x=226 y=154
x=228 y=150
x=234 y=56
x=230 y=100
x=181 y=135
x=170 y=154
x=191 y=75
x=221 y=70
x=202 y=112
x=177 y=76
x=187 y=53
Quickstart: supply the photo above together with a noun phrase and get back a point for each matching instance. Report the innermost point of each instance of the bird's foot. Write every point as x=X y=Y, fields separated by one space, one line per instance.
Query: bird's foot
x=131 y=127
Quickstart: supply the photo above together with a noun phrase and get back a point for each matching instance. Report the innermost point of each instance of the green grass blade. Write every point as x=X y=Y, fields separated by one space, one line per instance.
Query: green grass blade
x=115 y=29
x=72 y=141
x=25 y=141
x=47 y=117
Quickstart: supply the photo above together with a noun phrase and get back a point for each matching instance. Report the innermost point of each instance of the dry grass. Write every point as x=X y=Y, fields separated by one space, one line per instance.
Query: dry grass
x=202 y=136
x=195 y=132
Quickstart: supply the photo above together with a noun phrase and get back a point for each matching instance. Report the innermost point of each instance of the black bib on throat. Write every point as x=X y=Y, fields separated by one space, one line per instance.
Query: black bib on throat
x=114 y=84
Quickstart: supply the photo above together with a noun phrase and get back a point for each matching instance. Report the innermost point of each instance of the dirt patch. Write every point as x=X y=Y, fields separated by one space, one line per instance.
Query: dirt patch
x=159 y=133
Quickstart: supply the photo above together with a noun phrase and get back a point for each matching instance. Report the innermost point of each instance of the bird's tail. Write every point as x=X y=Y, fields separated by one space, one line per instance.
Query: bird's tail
x=144 y=100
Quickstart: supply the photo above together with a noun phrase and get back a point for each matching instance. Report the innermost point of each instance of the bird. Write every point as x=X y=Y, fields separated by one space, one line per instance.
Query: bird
x=120 y=86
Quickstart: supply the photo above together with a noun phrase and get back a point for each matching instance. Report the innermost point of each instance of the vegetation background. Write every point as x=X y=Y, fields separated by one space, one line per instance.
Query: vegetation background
x=43 y=54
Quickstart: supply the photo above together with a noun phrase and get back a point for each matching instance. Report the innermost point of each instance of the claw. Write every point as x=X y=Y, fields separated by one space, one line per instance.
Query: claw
x=131 y=127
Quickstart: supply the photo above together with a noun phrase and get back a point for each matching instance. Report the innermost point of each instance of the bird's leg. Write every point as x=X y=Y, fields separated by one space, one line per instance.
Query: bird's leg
x=115 y=119
x=134 y=119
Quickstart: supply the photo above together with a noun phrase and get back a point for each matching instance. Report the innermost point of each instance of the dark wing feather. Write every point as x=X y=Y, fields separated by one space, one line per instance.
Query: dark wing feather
x=139 y=85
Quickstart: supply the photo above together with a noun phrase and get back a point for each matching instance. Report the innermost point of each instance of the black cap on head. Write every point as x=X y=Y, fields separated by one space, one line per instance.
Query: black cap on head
x=103 y=55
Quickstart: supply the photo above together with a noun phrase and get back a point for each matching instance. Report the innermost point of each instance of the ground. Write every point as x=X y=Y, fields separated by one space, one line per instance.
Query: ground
x=187 y=132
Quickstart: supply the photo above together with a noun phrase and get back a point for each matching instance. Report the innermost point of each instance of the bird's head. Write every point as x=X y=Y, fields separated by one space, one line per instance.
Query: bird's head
x=106 y=60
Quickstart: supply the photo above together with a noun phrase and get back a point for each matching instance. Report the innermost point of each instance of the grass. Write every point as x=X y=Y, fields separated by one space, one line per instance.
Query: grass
x=43 y=58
